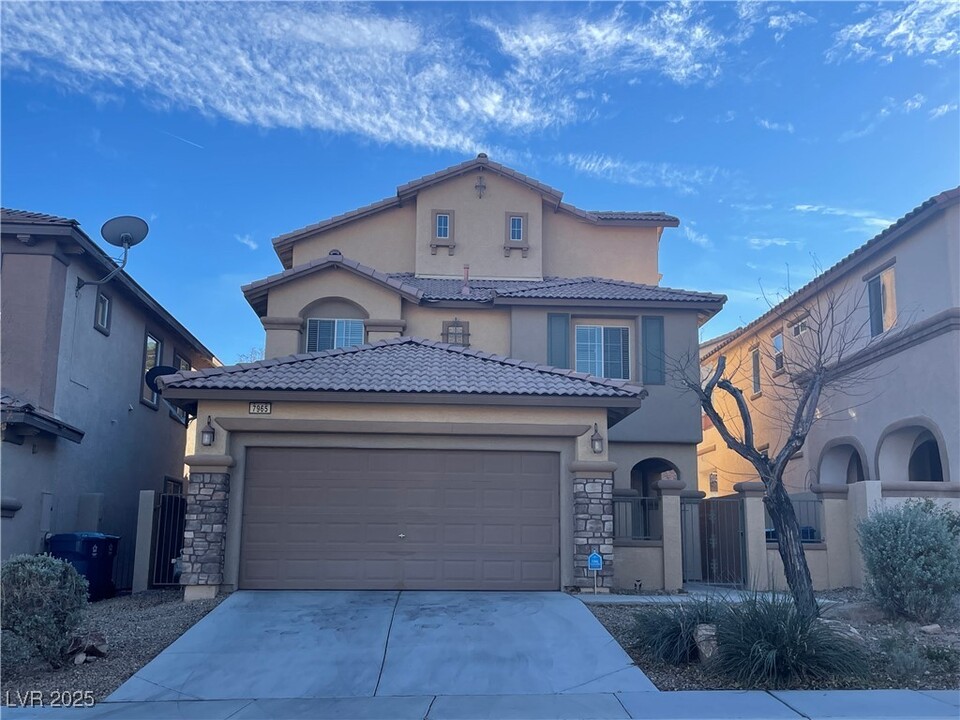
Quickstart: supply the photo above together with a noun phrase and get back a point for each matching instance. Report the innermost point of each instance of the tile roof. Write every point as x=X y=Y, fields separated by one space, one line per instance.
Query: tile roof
x=917 y=215
x=552 y=288
x=481 y=161
x=405 y=365
x=621 y=217
x=29 y=217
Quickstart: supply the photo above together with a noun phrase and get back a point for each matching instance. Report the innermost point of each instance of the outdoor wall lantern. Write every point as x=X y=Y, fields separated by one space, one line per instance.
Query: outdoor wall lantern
x=596 y=440
x=208 y=434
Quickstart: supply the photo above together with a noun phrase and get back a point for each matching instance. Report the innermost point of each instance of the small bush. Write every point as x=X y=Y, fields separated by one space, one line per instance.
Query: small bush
x=41 y=603
x=911 y=554
x=667 y=631
x=904 y=659
x=765 y=642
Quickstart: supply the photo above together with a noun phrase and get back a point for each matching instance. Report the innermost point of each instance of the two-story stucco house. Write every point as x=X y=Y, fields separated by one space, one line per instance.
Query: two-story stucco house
x=82 y=433
x=890 y=428
x=457 y=380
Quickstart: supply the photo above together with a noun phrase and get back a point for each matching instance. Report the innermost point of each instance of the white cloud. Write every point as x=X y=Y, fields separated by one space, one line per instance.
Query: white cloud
x=775 y=126
x=890 y=107
x=762 y=243
x=866 y=219
x=942 y=110
x=914 y=103
x=922 y=27
x=684 y=179
x=678 y=118
x=247 y=240
x=783 y=23
x=696 y=237
x=728 y=116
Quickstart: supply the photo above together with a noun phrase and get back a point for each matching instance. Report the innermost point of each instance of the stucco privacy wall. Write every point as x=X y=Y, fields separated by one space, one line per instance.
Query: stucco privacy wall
x=576 y=248
x=479 y=228
x=385 y=240
x=396 y=427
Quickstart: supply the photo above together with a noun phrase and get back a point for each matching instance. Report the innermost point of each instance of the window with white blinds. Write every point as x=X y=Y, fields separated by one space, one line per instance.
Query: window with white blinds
x=603 y=351
x=327 y=334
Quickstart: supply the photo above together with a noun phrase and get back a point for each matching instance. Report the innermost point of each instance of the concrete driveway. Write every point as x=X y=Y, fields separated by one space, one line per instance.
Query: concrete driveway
x=366 y=644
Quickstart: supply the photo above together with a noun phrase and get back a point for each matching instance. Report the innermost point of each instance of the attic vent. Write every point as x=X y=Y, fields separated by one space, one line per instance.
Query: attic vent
x=481 y=156
x=335 y=253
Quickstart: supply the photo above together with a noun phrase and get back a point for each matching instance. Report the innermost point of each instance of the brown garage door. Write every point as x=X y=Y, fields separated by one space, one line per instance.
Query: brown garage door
x=323 y=518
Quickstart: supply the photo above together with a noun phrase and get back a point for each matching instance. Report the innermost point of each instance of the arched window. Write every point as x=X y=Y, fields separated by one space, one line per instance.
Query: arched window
x=925 y=460
x=332 y=322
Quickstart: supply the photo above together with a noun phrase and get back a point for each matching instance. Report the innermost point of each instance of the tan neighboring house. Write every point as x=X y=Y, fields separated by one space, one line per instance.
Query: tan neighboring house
x=896 y=434
x=82 y=434
x=465 y=388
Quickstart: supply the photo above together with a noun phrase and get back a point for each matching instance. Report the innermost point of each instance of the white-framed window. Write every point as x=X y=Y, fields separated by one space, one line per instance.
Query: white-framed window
x=516 y=228
x=800 y=327
x=603 y=351
x=152 y=354
x=330 y=333
x=755 y=364
x=778 y=351
x=881 y=295
x=443 y=226
x=103 y=313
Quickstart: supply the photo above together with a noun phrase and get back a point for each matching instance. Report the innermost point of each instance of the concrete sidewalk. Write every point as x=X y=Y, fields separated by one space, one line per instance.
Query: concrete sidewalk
x=703 y=705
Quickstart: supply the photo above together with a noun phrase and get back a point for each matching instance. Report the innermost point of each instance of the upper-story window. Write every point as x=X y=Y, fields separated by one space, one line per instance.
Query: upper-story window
x=778 y=351
x=755 y=365
x=442 y=231
x=329 y=333
x=516 y=228
x=182 y=365
x=800 y=327
x=443 y=226
x=603 y=351
x=881 y=294
x=456 y=332
x=103 y=313
x=152 y=354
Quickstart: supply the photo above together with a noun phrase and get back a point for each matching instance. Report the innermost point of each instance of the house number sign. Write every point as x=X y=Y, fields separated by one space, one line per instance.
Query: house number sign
x=260 y=408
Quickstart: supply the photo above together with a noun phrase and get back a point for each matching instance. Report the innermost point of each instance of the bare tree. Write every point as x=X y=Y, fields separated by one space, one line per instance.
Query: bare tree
x=254 y=354
x=829 y=327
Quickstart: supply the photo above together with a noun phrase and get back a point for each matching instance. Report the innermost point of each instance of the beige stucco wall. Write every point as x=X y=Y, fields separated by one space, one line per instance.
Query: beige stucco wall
x=638 y=563
x=575 y=248
x=385 y=241
x=627 y=454
x=479 y=228
x=489 y=329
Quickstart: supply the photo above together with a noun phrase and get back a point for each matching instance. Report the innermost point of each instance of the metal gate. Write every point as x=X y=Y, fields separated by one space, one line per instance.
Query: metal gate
x=169 y=517
x=712 y=538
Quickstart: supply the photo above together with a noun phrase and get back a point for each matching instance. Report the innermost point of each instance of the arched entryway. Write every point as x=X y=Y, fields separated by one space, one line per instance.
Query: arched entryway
x=841 y=464
x=912 y=451
x=646 y=472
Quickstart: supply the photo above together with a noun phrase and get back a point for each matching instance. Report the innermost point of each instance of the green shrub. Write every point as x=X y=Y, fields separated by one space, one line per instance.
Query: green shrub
x=667 y=631
x=41 y=603
x=904 y=659
x=911 y=554
x=764 y=642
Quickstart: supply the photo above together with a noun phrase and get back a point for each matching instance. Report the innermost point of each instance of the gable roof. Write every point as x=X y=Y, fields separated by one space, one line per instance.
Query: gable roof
x=283 y=244
x=14 y=221
x=919 y=215
x=406 y=369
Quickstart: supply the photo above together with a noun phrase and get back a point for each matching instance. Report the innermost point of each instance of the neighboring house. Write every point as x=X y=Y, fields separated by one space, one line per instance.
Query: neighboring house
x=82 y=434
x=901 y=424
x=475 y=437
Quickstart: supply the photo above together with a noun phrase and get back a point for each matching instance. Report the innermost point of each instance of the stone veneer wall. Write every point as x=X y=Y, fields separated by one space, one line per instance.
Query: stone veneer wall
x=205 y=529
x=593 y=529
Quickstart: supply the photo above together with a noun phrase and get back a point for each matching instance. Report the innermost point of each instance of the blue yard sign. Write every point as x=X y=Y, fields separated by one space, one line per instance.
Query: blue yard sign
x=595 y=561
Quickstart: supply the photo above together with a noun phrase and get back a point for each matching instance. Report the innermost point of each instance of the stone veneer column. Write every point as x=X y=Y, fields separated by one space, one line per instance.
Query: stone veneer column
x=205 y=533
x=593 y=529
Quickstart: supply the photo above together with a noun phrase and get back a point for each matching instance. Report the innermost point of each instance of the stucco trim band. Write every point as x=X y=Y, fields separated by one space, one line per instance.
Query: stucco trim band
x=392 y=428
x=920 y=489
x=281 y=323
x=209 y=461
x=384 y=325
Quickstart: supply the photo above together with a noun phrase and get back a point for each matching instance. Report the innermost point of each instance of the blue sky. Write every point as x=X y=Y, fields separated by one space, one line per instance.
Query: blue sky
x=783 y=135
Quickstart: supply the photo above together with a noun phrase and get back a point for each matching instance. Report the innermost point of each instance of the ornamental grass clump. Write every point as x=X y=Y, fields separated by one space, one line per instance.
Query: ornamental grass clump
x=911 y=553
x=668 y=631
x=41 y=605
x=763 y=642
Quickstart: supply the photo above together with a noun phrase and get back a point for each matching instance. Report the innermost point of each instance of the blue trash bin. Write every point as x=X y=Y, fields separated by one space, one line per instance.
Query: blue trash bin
x=92 y=554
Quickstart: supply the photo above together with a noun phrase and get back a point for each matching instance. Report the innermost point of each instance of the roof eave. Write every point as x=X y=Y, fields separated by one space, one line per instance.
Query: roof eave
x=40 y=423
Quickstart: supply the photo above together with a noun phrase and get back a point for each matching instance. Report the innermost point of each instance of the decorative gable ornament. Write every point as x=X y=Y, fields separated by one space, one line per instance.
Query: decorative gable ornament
x=480 y=186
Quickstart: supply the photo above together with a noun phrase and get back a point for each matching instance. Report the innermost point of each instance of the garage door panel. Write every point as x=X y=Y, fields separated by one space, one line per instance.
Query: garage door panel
x=331 y=519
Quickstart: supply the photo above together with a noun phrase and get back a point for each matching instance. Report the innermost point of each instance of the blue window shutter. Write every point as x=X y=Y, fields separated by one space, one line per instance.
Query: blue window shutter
x=654 y=370
x=558 y=340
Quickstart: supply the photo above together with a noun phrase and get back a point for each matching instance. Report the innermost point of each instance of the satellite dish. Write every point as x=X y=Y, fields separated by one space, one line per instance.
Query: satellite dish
x=157 y=372
x=124 y=231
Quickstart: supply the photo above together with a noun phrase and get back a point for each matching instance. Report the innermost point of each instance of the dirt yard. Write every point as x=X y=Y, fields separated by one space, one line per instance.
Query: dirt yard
x=900 y=655
x=136 y=627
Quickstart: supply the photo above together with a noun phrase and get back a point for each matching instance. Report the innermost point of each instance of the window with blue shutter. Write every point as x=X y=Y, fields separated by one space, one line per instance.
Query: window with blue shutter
x=603 y=351
x=327 y=334
x=654 y=359
x=558 y=340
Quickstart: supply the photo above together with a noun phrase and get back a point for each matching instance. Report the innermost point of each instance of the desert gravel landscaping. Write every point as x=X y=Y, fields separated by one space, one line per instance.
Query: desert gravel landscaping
x=901 y=656
x=136 y=627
